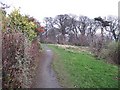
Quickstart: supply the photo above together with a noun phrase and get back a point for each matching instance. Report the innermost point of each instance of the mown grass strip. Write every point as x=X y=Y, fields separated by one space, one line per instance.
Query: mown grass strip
x=83 y=70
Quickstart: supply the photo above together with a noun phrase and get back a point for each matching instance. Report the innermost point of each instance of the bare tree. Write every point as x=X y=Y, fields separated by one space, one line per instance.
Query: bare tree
x=113 y=27
x=91 y=31
x=62 y=23
x=48 y=21
x=82 y=26
x=50 y=32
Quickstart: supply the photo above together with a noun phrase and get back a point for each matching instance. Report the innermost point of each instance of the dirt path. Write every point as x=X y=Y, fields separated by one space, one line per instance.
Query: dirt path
x=45 y=77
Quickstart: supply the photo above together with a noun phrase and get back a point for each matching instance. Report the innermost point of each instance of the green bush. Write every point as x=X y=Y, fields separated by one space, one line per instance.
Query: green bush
x=18 y=22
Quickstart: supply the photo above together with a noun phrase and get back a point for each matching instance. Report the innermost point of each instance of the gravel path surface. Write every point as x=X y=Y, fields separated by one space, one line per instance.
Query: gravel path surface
x=45 y=77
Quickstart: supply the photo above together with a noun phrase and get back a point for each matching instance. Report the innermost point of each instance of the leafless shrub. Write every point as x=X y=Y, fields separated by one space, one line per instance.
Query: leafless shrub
x=111 y=54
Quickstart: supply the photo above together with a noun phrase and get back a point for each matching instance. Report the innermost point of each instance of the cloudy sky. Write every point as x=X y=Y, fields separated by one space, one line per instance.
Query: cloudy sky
x=45 y=8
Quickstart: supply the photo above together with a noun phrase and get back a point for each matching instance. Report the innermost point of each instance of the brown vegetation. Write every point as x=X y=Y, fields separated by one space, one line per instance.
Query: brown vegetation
x=19 y=60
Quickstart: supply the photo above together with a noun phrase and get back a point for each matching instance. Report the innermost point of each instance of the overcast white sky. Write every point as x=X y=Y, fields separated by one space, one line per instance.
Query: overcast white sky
x=45 y=8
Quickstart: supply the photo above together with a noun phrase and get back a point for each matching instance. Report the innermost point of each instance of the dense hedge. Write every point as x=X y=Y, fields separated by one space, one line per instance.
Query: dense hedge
x=20 y=50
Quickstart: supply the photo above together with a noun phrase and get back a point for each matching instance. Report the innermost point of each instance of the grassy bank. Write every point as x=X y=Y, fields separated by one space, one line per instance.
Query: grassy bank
x=80 y=69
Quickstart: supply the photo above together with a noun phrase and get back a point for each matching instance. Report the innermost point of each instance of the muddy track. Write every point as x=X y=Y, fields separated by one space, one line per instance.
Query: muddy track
x=45 y=76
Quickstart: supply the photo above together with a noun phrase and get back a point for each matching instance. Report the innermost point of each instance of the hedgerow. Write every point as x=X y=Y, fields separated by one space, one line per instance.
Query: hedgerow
x=20 y=49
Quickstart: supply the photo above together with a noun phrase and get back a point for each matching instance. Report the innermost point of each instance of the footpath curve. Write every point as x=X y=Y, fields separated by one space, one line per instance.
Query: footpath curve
x=45 y=76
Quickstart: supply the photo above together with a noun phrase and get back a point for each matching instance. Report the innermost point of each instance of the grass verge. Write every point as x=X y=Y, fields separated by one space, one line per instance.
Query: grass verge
x=82 y=70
